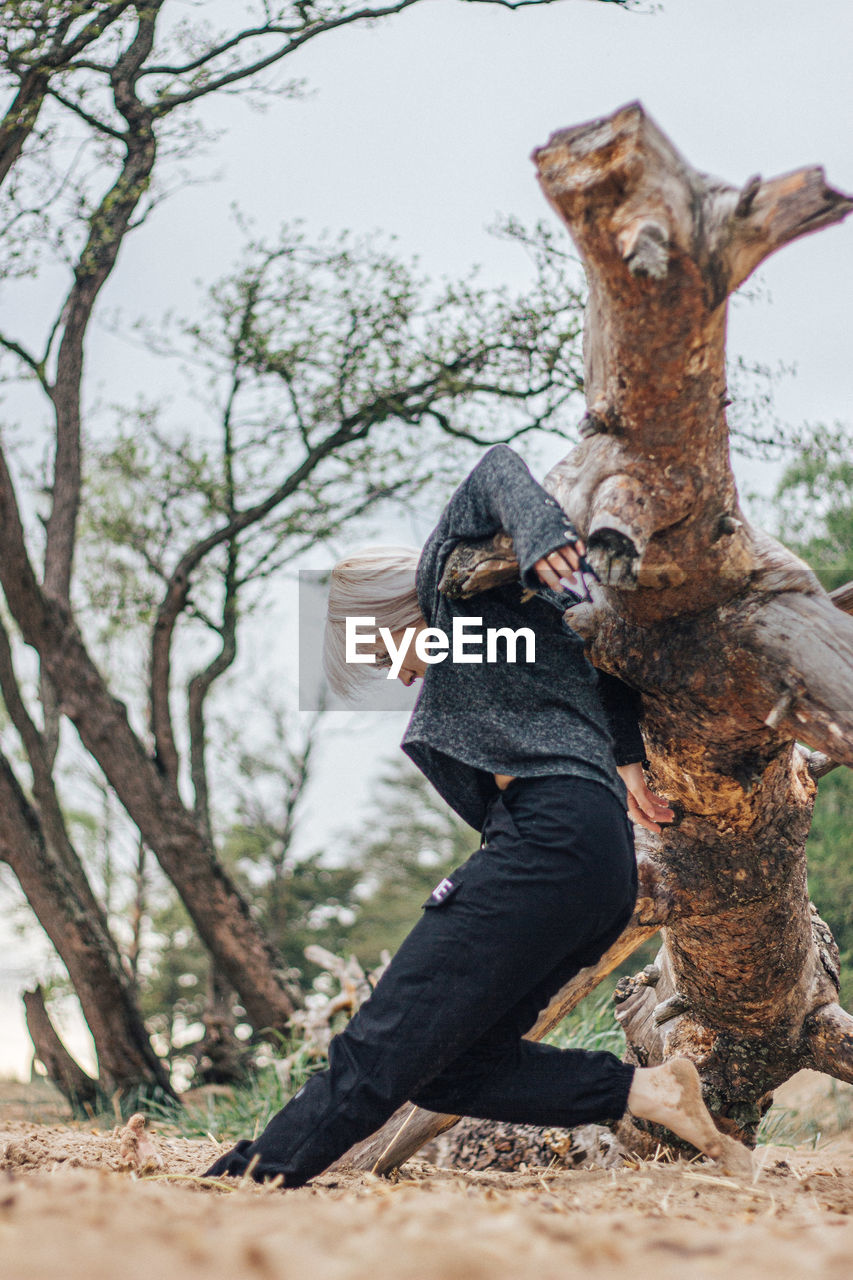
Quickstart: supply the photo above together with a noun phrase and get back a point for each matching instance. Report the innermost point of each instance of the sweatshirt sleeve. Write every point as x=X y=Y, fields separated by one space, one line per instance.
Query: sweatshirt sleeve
x=623 y=707
x=501 y=494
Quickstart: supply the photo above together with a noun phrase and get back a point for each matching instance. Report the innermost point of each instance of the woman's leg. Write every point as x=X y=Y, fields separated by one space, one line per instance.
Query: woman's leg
x=504 y=1077
x=534 y=1084
x=512 y=914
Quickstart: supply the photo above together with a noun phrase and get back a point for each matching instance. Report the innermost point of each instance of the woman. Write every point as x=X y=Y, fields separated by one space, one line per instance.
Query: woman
x=541 y=757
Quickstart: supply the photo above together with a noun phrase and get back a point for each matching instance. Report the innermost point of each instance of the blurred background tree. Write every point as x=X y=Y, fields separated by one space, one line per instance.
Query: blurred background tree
x=814 y=504
x=313 y=351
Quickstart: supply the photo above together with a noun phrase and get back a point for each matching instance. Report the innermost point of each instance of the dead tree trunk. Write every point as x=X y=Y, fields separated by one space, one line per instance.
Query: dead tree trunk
x=737 y=649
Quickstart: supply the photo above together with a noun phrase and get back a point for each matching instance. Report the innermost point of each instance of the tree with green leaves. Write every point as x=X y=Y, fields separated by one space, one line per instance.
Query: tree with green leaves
x=100 y=106
x=814 y=509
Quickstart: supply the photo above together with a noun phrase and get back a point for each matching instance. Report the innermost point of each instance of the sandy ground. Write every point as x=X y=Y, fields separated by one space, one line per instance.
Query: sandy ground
x=69 y=1210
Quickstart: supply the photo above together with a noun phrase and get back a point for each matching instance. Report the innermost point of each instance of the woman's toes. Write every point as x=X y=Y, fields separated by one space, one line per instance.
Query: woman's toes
x=735 y=1158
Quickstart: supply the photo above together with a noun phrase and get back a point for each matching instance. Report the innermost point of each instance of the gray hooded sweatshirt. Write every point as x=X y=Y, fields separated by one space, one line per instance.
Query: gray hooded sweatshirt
x=555 y=715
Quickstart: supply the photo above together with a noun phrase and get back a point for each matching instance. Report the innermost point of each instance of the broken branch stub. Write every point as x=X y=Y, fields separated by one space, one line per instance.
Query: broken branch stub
x=663 y=246
x=829 y=1031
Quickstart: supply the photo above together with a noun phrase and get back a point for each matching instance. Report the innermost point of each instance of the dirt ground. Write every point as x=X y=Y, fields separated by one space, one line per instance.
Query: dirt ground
x=69 y=1209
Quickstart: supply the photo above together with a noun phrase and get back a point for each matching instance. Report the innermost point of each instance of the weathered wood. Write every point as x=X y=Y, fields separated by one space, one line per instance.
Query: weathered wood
x=830 y=1033
x=737 y=649
x=477 y=566
x=842 y=597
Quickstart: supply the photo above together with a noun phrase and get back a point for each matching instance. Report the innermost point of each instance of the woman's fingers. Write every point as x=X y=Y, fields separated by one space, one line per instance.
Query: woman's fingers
x=648 y=810
x=559 y=564
x=565 y=557
x=547 y=575
x=644 y=807
x=639 y=819
x=656 y=806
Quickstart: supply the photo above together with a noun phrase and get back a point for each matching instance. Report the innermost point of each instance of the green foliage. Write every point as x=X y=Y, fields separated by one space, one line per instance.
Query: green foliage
x=241 y=1112
x=820 y=1120
x=830 y=861
x=814 y=504
x=592 y=1025
x=406 y=844
x=815 y=514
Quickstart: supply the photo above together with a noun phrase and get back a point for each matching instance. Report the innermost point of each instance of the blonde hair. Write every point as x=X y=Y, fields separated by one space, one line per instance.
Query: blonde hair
x=378 y=582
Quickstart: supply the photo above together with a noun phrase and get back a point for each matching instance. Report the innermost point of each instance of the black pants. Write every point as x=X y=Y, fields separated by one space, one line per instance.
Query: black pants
x=550 y=890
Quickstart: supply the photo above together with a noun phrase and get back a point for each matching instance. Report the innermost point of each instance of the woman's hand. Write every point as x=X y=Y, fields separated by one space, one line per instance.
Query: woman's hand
x=645 y=809
x=562 y=563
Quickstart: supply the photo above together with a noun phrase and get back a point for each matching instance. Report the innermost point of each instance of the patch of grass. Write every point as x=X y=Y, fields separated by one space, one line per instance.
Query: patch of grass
x=241 y=1111
x=592 y=1025
x=831 y=1113
x=786 y=1127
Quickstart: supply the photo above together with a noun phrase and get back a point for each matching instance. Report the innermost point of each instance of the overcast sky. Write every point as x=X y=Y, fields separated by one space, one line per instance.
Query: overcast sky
x=423 y=127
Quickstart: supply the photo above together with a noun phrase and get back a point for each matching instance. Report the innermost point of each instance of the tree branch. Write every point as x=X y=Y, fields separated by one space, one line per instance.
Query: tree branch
x=842 y=597
x=829 y=1036
x=62 y=1070
x=169 y=102
x=108 y=227
x=177 y=589
x=796 y=654
x=21 y=116
x=63 y=53
x=44 y=790
x=77 y=927
x=36 y=366
x=20 y=119
x=100 y=126
x=216 y=51
x=200 y=687
x=771 y=214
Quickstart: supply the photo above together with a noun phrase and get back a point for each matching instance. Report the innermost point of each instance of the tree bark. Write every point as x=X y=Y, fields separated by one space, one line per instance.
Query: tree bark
x=70 y=1078
x=78 y=930
x=152 y=802
x=737 y=649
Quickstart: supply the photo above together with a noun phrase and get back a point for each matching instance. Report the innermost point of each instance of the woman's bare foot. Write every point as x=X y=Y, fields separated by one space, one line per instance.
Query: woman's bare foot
x=671 y=1095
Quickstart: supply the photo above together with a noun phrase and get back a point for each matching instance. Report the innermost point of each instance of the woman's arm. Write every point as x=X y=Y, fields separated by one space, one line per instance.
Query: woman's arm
x=623 y=707
x=501 y=494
